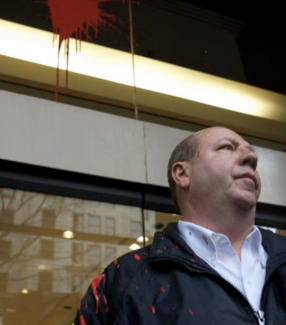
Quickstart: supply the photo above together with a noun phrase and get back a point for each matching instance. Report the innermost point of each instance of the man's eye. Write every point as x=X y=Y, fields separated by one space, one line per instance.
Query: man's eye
x=227 y=147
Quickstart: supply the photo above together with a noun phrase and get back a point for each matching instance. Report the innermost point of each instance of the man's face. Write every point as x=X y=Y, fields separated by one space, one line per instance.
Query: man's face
x=224 y=169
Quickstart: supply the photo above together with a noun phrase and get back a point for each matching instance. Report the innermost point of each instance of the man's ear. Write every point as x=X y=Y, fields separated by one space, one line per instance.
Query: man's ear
x=181 y=172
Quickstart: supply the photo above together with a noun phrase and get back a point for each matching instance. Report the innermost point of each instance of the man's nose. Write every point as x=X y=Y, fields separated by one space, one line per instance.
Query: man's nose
x=249 y=157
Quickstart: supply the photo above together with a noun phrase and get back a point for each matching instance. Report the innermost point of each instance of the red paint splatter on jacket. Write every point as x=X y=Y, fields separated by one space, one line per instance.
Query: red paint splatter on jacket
x=82 y=320
x=153 y=310
x=137 y=257
x=94 y=285
x=163 y=289
x=190 y=312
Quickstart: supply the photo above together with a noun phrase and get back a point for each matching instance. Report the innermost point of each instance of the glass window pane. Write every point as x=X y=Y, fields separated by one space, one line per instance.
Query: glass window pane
x=44 y=269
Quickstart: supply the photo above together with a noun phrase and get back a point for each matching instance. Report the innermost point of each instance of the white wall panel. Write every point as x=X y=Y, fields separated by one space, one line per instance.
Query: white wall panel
x=45 y=133
x=51 y=134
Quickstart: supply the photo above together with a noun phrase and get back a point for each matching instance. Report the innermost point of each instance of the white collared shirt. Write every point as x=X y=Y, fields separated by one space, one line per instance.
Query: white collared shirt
x=247 y=274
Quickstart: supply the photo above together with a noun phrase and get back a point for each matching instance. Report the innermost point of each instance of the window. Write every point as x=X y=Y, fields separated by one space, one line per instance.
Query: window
x=47 y=249
x=109 y=226
x=94 y=224
x=110 y=255
x=77 y=253
x=7 y=216
x=48 y=218
x=78 y=221
x=136 y=229
x=93 y=255
x=76 y=283
x=5 y=250
x=45 y=281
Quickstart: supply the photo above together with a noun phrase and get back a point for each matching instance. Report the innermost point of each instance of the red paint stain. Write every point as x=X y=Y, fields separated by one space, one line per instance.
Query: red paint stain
x=205 y=239
x=116 y=261
x=163 y=289
x=192 y=260
x=137 y=257
x=198 y=154
x=153 y=310
x=76 y=18
x=94 y=285
x=82 y=320
x=190 y=312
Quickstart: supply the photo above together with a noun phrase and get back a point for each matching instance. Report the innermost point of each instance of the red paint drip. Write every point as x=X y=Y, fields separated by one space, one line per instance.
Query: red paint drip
x=190 y=312
x=153 y=310
x=95 y=284
x=137 y=257
x=75 y=18
x=82 y=320
x=205 y=239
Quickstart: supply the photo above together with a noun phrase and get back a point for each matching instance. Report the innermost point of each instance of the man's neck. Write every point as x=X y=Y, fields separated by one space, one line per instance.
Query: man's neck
x=235 y=224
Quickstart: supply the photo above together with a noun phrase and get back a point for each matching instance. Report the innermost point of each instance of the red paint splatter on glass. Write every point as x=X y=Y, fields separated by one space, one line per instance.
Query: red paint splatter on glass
x=137 y=257
x=82 y=320
x=205 y=239
x=94 y=285
x=153 y=310
x=190 y=312
x=76 y=18
x=163 y=289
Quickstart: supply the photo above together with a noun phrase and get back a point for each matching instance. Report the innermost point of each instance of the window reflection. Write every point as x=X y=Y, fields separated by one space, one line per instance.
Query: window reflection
x=42 y=274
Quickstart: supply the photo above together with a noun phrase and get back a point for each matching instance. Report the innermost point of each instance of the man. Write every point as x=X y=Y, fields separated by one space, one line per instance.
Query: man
x=214 y=266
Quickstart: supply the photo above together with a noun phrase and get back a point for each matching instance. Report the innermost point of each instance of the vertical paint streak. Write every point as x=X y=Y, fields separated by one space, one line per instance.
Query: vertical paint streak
x=75 y=18
x=133 y=59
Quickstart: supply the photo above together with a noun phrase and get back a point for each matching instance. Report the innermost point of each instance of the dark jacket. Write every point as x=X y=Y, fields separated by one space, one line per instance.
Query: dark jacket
x=166 y=283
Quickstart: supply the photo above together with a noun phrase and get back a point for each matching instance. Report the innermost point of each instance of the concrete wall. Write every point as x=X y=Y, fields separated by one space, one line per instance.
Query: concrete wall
x=50 y=134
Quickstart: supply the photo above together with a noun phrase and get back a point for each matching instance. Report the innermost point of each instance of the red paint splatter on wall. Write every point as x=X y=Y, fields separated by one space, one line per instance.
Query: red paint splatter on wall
x=94 y=285
x=82 y=320
x=76 y=18
x=153 y=310
x=190 y=312
x=137 y=257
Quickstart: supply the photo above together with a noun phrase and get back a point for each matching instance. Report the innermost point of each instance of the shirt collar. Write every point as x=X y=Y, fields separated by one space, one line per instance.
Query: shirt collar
x=204 y=242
